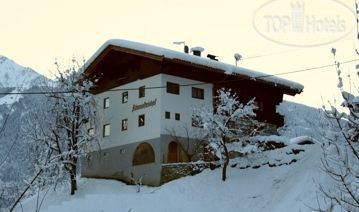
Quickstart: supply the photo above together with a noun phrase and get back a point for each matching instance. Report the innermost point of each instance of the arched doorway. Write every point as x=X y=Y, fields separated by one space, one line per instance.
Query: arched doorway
x=176 y=154
x=143 y=154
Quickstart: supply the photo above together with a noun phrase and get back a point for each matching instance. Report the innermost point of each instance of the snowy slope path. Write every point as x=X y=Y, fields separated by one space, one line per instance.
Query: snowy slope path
x=284 y=188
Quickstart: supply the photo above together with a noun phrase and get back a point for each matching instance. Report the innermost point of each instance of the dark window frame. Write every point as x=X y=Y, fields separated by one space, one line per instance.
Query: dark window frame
x=173 y=88
x=141 y=123
x=124 y=127
x=167 y=115
x=177 y=116
x=106 y=102
x=104 y=130
x=197 y=93
x=141 y=92
x=125 y=94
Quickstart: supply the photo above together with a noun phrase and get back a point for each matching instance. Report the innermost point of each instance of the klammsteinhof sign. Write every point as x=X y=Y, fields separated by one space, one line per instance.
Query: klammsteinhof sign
x=144 y=105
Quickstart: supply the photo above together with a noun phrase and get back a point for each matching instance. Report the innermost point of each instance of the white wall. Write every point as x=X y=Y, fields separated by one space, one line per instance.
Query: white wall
x=119 y=111
x=155 y=122
x=183 y=104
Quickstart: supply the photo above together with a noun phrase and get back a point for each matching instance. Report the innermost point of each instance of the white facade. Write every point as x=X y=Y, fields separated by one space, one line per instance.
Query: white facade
x=156 y=102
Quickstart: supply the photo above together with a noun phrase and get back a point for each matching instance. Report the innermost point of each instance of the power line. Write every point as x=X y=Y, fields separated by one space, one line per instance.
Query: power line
x=269 y=54
x=278 y=53
x=6 y=156
x=2 y=130
x=183 y=85
x=309 y=69
x=36 y=92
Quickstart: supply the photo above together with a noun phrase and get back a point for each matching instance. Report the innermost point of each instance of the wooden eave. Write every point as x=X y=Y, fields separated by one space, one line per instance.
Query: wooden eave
x=238 y=76
x=218 y=72
x=91 y=68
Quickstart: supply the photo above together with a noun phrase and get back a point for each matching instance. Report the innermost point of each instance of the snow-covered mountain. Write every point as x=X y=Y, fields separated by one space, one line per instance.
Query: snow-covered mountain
x=15 y=163
x=16 y=78
x=14 y=75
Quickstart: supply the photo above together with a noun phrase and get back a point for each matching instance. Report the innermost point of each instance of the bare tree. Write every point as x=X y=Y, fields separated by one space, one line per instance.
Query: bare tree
x=223 y=124
x=341 y=153
x=61 y=131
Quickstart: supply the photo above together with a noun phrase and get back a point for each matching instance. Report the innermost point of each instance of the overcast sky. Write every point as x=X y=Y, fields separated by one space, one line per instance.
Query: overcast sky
x=34 y=33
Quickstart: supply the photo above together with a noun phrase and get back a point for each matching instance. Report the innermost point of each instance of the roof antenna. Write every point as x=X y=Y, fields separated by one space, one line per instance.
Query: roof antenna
x=237 y=57
x=185 y=48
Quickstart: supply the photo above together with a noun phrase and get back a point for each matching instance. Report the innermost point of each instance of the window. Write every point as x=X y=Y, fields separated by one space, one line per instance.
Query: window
x=177 y=116
x=197 y=93
x=196 y=122
x=106 y=130
x=141 y=120
x=91 y=131
x=124 y=124
x=125 y=97
x=141 y=92
x=167 y=115
x=173 y=88
x=106 y=103
x=122 y=151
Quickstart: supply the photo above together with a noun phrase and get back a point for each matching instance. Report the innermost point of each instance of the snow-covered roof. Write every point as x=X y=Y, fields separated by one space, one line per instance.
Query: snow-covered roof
x=171 y=54
x=197 y=48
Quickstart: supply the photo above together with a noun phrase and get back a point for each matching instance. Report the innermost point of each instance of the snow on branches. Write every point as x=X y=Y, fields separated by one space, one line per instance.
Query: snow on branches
x=60 y=130
x=341 y=153
x=222 y=123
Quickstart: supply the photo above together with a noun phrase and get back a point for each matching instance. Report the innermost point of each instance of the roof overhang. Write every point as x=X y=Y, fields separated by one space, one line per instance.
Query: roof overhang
x=162 y=54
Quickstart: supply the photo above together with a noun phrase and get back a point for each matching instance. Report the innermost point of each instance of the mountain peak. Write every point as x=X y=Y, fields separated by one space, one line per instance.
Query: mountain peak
x=14 y=75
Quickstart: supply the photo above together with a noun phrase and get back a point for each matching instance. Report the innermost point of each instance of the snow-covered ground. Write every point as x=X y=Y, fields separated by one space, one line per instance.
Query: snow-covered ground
x=11 y=98
x=284 y=188
x=276 y=180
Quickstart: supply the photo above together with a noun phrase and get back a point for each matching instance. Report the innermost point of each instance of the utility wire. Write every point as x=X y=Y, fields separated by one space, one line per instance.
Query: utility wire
x=3 y=127
x=6 y=156
x=269 y=54
x=192 y=84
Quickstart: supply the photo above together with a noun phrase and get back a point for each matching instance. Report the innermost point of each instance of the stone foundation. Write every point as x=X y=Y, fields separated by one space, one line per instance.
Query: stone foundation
x=177 y=170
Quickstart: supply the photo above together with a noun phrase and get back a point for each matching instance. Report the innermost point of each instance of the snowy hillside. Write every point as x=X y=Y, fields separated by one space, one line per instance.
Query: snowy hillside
x=284 y=188
x=284 y=179
x=265 y=189
x=15 y=78
x=14 y=75
x=15 y=162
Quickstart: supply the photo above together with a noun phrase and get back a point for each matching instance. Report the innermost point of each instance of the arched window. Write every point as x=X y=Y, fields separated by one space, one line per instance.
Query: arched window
x=176 y=154
x=143 y=154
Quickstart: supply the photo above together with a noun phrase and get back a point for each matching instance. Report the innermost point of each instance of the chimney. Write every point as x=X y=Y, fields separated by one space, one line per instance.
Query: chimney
x=212 y=57
x=186 y=49
x=197 y=50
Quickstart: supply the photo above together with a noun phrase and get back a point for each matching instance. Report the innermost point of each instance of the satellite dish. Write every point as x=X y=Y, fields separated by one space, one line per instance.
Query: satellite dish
x=237 y=57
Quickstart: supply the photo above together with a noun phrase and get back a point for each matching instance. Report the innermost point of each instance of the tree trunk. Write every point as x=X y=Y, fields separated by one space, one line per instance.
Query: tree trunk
x=73 y=179
x=226 y=162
